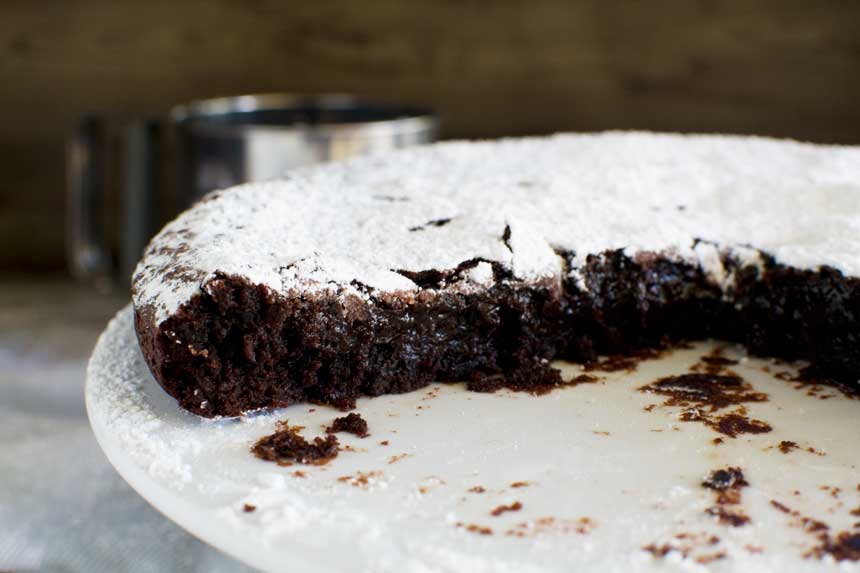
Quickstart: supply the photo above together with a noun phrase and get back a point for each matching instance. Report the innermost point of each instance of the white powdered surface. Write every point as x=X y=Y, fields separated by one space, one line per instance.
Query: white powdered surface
x=604 y=475
x=361 y=220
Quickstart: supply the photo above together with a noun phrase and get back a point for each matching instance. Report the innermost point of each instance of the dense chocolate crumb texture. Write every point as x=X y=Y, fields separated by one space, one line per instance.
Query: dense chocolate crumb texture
x=480 y=260
x=352 y=423
x=286 y=445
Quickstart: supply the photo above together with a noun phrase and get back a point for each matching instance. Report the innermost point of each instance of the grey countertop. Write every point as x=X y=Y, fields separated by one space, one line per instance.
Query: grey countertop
x=62 y=506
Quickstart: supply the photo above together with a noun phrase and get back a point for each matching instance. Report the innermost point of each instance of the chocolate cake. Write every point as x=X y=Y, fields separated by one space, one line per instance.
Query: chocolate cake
x=486 y=260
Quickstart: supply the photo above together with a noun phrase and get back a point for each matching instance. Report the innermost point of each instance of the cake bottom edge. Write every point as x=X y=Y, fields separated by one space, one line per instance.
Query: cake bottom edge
x=237 y=346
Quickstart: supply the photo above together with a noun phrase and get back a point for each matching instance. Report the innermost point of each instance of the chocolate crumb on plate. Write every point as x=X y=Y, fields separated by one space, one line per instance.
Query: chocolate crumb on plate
x=248 y=508
x=711 y=557
x=727 y=484
x=516 y=506
x=659 y=550
x=715 y=362
x=845 y=546
x=552 y=525
x=474 y=528
x=780 y=506
x=734 y=424
x=627 y=362
x=725 y=479
x=361 y=479
x=820 y=386
x=841 y=546
x=352 y=423
x=534 y=376
x=718 y=360
x=787 y=446
x=699 y=546
x=812 y=450
x=582 y=379
x=703 y=397
x=727 y=516
x=286 y=446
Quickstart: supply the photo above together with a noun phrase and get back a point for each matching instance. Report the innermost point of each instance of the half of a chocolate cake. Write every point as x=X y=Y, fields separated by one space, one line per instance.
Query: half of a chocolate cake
x=484 y=261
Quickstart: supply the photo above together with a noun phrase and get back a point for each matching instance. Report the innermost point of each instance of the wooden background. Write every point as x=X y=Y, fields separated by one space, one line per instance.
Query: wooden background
x=780 y=67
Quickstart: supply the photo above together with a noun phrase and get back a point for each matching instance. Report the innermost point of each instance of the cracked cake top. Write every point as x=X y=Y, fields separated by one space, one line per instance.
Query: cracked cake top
x=371 y=223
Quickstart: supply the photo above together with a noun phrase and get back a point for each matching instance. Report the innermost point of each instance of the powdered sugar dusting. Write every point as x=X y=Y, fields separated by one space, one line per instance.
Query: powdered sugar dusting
x=327 y=227
x=130 y=413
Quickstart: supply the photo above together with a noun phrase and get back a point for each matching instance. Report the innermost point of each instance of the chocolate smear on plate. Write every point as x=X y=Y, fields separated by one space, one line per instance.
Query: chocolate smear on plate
x=716 y=400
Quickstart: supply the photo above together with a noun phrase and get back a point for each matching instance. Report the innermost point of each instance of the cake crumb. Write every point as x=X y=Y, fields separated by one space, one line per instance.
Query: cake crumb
x=286 y=446
x=521 y=484
x=516 y=506
x=547 y=525
x=361 y=479
x=787 y=446
x=383 y=443
x=703 y=397
x=248 y=508
x=627 y=362
x=727 y=484
x=832 y=490
x=715 y=362
x=711 y=557
x=477 y=489
x=474 y=528
x=845 y=546
x=728 y=517
x=582 y=379
x=352 y=423
x=699 y=546
x=397 y=458
x=780 y=506
x=725 y=479
x=659 y=551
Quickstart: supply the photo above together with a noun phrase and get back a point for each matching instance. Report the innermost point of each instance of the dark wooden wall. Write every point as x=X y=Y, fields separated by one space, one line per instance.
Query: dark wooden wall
x=780 y=67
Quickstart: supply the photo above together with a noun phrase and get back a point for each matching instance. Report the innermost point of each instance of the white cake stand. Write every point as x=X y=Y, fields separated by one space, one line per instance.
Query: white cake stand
x=598 y=476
